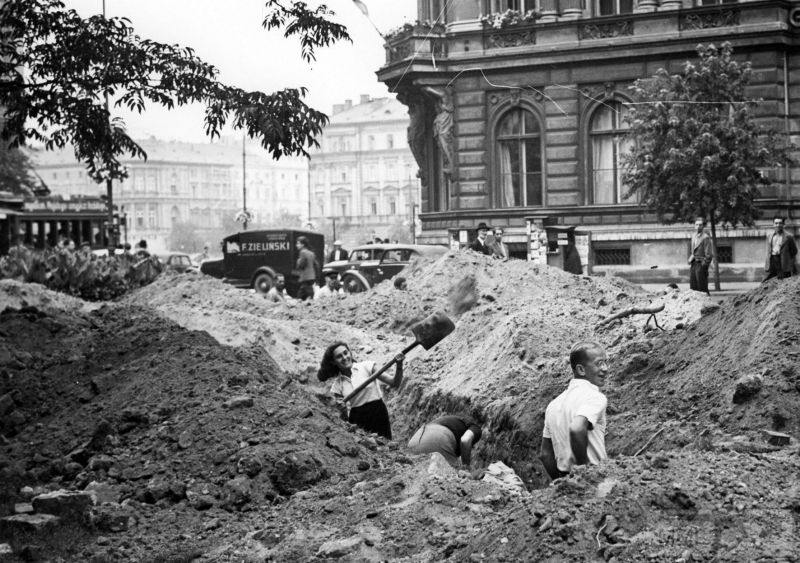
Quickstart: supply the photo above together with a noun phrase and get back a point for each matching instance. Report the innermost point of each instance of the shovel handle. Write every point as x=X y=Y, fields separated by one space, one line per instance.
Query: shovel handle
x=375 y=375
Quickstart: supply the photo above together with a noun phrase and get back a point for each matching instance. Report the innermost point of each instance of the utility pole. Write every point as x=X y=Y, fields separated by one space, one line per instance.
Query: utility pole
x=112 y=234
x=308 y=187
x=412 y=227
x=244 y=183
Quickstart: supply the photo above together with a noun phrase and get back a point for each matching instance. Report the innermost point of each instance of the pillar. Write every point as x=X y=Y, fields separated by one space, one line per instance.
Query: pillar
x=75 y=231
x=41 y=235
x=646 y=6
x=571 y=9
x=28 y=240
x=86 y=231
x=5 y=234
x=549 y=11
x=52 y=233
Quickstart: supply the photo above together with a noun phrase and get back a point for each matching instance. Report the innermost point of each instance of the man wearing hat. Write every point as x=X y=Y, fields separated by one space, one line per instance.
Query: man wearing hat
x=338 y=253
x=480 y=244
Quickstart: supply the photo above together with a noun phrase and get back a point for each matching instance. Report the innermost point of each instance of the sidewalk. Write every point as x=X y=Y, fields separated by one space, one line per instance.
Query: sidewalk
x=727 y=289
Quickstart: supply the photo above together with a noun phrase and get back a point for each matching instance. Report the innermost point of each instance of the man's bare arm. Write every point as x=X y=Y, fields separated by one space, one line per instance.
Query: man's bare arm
x=548 y=457
x=466 y=447
x=579 y=439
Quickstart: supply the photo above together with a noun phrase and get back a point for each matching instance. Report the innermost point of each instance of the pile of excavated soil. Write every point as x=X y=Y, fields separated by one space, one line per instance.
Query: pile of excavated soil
x=294 y=333
x=15 y=294
x=734 y=371
x=515 y=323
x=193 y=403
x=675 y=506
x=185 y=432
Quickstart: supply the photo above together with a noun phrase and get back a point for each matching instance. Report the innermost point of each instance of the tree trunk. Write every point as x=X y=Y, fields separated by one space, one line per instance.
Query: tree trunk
x=714 y=251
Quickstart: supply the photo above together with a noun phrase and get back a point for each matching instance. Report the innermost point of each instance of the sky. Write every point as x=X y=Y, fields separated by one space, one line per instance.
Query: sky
x=229 y=35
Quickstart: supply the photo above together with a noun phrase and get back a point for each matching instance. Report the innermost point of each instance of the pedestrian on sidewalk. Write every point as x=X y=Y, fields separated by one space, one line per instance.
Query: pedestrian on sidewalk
x=367 y=408
x=700 y=257
x=781 y=252
x=499 y=248
x=575 y=421
x=481 y=244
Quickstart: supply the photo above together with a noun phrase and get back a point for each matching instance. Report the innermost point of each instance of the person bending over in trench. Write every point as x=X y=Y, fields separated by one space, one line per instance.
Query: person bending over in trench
x=451 y=436
x=367 y=408
x=575 y=421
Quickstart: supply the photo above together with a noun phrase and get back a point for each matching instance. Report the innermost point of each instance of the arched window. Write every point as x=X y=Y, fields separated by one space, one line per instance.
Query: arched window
x=519 y=160
x=608 y=144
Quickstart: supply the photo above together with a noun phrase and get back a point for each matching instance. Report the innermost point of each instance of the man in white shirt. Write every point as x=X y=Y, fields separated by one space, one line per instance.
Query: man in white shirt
x=575 y=421
x=331 y=287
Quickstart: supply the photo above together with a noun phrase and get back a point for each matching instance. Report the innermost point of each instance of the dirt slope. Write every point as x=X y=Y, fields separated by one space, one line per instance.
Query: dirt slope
x=163 y=416
x=194 y=404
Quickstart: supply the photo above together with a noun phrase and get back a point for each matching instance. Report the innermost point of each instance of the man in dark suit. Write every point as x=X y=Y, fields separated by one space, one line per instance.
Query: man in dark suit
x=338 y=253
x=480 y=244
x=781 y=252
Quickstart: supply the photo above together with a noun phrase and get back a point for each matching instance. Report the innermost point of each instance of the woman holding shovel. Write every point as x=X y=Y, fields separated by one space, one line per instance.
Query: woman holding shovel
x=366 y=408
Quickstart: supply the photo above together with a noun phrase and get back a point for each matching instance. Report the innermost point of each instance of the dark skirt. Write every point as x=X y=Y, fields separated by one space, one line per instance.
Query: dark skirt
x=372 y=417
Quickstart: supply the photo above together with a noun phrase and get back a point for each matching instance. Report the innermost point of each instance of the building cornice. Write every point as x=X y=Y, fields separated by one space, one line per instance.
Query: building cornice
x=562 y=41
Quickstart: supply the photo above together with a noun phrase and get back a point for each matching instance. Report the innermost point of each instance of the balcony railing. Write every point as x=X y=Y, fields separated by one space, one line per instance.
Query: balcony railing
x=418 y=40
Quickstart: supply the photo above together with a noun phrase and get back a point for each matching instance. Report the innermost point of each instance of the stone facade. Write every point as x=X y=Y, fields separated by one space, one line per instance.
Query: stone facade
x=566 y=75
x=179 y=182
x=363 y=175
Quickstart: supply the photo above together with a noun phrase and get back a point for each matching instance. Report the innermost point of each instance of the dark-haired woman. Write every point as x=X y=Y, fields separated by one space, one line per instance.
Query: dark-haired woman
x=367 y=408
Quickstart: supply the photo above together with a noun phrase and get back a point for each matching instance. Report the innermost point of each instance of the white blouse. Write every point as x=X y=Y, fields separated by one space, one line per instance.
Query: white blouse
x=360 y=372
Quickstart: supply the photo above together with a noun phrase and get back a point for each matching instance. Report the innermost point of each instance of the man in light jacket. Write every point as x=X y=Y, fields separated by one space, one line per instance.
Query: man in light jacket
x=700 y=257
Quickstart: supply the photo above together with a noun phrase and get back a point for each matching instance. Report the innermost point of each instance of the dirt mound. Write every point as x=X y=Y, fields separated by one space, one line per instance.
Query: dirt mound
x=15 y=295
x=677 y=506
x=294 y=333
x=167 y=419
x=191 y=402
x=505 y=360
x=734 y=371
x=685 y=506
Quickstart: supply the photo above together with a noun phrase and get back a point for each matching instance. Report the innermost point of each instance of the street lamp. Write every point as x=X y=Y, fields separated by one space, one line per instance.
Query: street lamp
x=244 y=183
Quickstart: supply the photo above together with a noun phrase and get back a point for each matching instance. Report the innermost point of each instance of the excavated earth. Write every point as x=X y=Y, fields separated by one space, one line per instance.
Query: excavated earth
x=193 y=407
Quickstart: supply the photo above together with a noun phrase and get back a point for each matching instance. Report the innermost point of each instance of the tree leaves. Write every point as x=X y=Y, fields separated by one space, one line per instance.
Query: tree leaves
x=312 y=26
x=697 y=150
x=57 y=69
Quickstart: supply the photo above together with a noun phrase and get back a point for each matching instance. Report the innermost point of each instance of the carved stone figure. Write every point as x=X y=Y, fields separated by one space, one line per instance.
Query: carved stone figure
x=417 y=128
x=443 y=125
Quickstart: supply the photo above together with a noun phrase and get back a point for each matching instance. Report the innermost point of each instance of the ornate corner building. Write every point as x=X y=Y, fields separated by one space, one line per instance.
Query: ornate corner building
x=516 y=120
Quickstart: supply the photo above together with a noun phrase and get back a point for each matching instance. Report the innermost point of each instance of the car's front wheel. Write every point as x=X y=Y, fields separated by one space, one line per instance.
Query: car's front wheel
x=352 y=284
x=263 y=283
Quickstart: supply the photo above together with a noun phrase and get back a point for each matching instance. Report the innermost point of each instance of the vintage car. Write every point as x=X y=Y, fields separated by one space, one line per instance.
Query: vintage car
x=357 y=255
x=180 y=263
x=368 y=268
x=255 y=258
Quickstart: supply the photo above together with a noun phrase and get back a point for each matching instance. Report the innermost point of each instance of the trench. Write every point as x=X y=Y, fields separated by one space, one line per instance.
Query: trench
x=511 y=425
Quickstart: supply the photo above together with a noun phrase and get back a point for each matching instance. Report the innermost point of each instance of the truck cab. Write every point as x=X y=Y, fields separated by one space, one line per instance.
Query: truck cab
x=254 y=259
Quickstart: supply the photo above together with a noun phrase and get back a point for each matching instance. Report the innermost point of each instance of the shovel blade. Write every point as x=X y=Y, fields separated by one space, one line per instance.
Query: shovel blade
x=431 y=330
